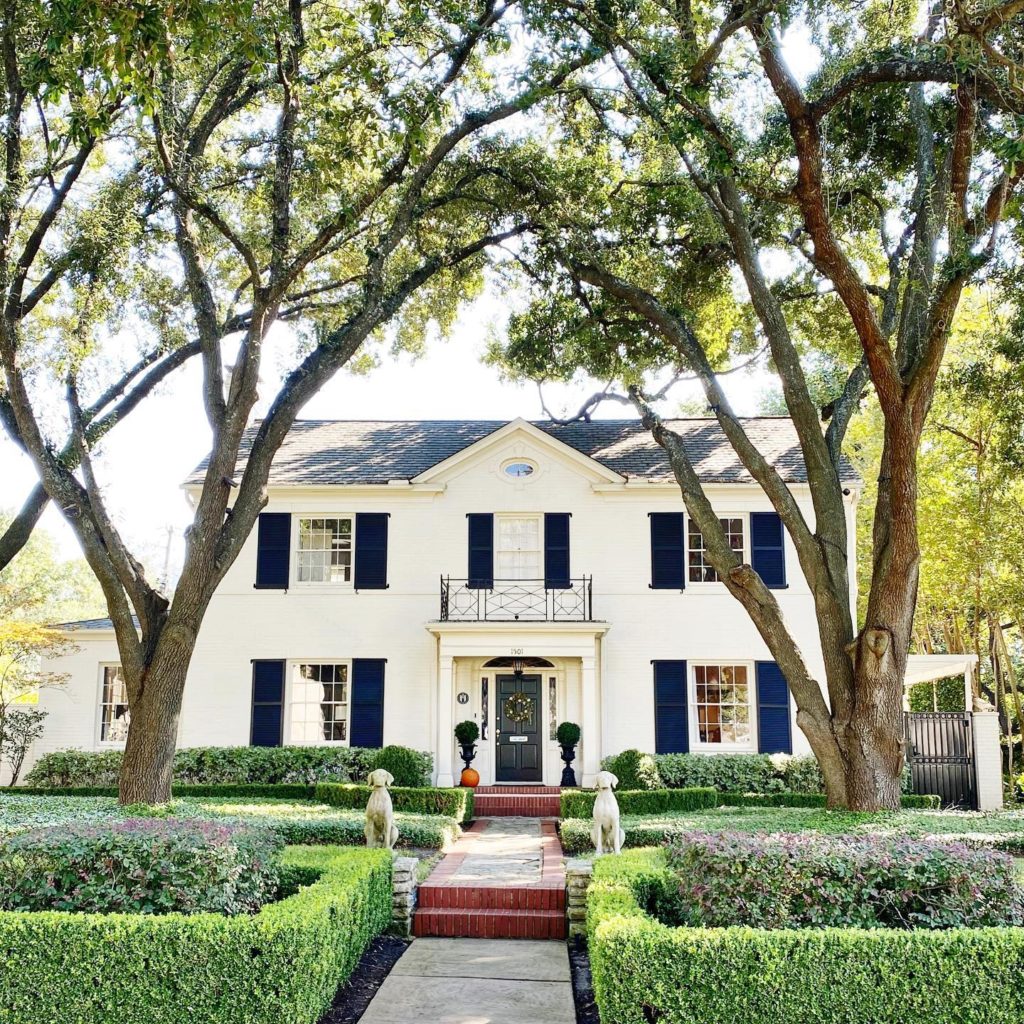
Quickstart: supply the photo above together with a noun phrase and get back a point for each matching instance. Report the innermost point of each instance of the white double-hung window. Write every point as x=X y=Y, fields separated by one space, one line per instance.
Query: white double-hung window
x=722 y=704
x=319 y=703
x=114 y=714
x=325 y=549
x=698 y=566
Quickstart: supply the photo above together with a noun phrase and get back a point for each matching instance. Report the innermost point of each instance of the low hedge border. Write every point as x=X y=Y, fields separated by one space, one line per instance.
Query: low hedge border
x=453 y=803
x=644 y=970
x=579 y=803
x=268 y=791
x=138 y=969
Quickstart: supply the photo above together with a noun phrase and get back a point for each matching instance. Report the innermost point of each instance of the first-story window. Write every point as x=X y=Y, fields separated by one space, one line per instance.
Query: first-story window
x=325 y=550
x=114 y=714
x=699 y=568
x=319 y=703
x=722 y=702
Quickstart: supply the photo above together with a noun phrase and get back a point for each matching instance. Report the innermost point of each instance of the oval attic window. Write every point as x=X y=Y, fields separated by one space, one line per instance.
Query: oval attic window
x=518 y=469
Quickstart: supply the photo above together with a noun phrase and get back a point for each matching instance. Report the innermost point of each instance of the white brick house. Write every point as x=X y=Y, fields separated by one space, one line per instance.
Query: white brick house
x=403 y=572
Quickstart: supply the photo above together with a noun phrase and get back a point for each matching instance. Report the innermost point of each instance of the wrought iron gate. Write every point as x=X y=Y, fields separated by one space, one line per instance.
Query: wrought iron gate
x=940 y=751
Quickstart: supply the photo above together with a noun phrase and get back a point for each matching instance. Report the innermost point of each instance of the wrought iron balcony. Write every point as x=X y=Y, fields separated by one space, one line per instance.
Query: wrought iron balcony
x=516 y=601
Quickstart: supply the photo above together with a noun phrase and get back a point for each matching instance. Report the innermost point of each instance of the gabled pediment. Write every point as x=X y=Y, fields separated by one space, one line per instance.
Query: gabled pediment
x=519 y=436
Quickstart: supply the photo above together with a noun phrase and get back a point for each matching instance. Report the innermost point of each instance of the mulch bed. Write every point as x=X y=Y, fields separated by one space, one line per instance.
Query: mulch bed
x=354 y=996
x=582 y=986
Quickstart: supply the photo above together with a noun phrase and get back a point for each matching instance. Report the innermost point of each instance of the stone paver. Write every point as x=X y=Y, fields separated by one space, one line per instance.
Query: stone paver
x=477 y=981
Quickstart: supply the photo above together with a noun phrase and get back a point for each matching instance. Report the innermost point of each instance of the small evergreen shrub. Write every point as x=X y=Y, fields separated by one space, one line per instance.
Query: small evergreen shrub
x=409 y=767
x=140 y=866
x=633 y=769
x=454 y=803
x=799 y=881
x=467 y=733
x=568 y=734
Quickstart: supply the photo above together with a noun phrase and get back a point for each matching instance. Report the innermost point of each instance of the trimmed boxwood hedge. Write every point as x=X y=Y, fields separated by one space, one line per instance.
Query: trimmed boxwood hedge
x=579 y=803
x=453 y=803
x=283 y=964
x=239 y=765
x=644 y=970
x=267 y=791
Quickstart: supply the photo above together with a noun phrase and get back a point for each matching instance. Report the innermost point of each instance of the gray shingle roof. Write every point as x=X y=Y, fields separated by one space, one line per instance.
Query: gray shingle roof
x=88 y=624
x=330 y=452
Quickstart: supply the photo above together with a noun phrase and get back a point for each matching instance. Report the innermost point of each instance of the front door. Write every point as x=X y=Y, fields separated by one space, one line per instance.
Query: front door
x=519 y=738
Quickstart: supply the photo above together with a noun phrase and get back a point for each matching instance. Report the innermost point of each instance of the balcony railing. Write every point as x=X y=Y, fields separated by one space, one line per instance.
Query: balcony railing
x=516 y=601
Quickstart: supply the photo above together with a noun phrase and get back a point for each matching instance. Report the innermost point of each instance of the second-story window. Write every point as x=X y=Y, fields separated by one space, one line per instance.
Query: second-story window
x=698 y=566
x=325 y=550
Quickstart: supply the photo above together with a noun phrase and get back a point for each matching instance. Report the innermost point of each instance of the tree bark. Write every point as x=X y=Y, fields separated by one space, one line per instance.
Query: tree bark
x=148 y=766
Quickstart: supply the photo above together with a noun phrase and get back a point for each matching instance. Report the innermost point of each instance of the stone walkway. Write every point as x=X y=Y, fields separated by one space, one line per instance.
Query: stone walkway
x=477 y=981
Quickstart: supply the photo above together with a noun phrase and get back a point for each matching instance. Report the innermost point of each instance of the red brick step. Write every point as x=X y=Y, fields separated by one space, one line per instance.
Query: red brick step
x=483 y=897
x=489 y=924
x=523 y=801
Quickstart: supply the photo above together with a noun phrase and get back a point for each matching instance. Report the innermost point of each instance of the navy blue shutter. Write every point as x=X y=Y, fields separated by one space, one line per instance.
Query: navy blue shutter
x=667 y=550
x=367 y=703
x=267 y=703
x=273 y=543
x=371 y=571
x=556 y=550
x=671 y=728
x=774 y=734
x=768 y=548
x=481 y=550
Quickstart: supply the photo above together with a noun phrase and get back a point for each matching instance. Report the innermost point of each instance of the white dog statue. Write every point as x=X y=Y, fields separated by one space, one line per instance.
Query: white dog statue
x=606 y=835
x=380 y=815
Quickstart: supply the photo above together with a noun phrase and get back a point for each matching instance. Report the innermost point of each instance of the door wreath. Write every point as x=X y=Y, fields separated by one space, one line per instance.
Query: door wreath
x=519 y=708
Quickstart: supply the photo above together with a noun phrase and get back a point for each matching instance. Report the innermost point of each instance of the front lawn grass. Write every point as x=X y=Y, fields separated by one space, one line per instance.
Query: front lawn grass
x=1002 y=830
x=294 y=821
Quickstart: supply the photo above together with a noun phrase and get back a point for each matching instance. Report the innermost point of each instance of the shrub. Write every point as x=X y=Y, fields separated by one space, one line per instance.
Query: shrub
x=567 y=734
x=455 y=803
x=223 y=766
x=645 y=971
x=633 y=769
x=467 y=733
x=241 y=790
x=408 y=767
x=142 y=866
x=794 y=881
x=579 y=803
x=908 y=800
x=283 y=964
x=737 y=773
x=294 y=822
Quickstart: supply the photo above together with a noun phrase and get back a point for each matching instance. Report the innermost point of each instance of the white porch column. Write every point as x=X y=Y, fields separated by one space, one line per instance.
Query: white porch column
x=445 y=725
x=590 y=726
x=988 y=766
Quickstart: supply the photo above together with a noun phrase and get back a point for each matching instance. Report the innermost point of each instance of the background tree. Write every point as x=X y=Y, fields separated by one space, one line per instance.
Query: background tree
x=841 y=210
x=330 y=167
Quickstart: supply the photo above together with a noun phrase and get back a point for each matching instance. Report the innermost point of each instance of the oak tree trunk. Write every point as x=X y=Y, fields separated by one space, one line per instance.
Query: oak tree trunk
x=148 y=765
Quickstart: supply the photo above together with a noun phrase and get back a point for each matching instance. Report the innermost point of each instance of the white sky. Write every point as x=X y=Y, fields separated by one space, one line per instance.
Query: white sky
x=143 y=461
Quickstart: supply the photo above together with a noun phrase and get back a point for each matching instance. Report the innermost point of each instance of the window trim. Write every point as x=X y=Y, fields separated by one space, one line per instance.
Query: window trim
x=291 y=667
x=497 y=549
x=101 y=677
x=699 y=746
x=744 y=518
x=320 y=585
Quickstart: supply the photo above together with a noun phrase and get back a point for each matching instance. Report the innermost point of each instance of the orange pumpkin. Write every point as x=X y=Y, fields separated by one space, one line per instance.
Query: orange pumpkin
x=470 y=777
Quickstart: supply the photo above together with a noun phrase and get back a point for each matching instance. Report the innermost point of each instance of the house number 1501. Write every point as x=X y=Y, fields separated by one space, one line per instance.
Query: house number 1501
x=515 y=650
